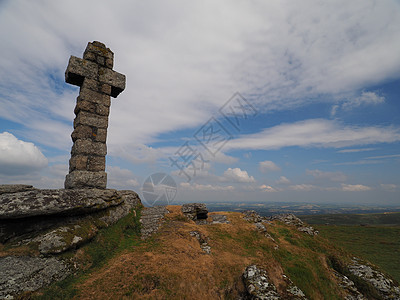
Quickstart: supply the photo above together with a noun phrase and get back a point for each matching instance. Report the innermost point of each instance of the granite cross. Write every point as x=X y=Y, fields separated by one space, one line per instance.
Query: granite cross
x=97 y=82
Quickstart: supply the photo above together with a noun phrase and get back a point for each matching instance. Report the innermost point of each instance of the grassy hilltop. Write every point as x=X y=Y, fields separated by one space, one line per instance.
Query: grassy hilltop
x=117 y=264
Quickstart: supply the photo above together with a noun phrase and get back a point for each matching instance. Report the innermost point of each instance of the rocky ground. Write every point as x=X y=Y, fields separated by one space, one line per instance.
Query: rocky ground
x=173 y=252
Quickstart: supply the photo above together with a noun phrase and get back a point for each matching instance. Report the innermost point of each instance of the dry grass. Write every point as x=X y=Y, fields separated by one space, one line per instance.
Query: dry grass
x=171 y=264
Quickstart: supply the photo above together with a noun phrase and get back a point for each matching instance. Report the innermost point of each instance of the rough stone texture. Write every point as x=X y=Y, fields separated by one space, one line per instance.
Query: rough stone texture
x=151 y=219
x=203 y=241
x=195 y=211
x=51 y=202
x=97 y=82
x=15 y=188
x=60 y=232
x=24 y=273
x=79 y=179
x=257 y=284
x=348 y=287
x=291 y=219
x=384 y=285
x=219 y=219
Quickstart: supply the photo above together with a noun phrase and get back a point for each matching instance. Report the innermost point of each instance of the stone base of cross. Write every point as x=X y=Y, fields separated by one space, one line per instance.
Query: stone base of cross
x=97 y=82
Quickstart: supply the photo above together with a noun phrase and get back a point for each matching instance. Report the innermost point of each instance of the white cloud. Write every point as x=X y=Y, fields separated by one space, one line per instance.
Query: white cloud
x=267 y=188
x=283 y=180
x=121 y=178
x=302 y=187
x=237 y=175
x=268 y=165
x=19 y=157
x=205 y=187
x=332 y=176
x=356 y=150
x=366 y=98
x=179 y=54
x=315 y=133
x=355 y=187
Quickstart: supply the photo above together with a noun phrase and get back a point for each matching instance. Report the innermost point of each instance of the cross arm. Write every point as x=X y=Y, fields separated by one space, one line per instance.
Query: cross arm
x=78 y=69
x=114 y=79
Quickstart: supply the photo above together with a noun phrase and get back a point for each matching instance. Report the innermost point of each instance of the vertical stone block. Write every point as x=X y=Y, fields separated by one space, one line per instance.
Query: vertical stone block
x=97 y=83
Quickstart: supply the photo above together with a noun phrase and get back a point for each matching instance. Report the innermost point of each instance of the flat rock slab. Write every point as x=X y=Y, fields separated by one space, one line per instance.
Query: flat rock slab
x=52 y=202
x=23 y=273
x=15 y=188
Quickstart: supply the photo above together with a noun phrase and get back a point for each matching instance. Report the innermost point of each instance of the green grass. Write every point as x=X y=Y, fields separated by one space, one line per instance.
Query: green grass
x=377 y=244
x=381 y=219
x=124 y=235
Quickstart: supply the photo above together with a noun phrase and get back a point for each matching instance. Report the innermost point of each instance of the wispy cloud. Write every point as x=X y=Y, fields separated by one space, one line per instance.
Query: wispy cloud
x=356 y=150
x=267 y=165
x=331 y=176
x=315 y=133
x=355 y=188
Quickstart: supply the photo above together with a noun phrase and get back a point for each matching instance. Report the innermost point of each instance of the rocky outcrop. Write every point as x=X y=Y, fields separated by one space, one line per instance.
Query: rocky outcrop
x=197 y=212
x=219 y=219
x=57 y=220
x=24 y=273
x=291 y=219
x=258 y=286
x=37 y=202
x=349 y=288
x=203 y=241
x=51 y=222
x=385 y=286
x=151 y=220
x=15 y=188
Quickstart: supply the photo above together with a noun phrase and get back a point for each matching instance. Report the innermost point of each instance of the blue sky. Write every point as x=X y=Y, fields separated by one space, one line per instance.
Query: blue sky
x=320 y=83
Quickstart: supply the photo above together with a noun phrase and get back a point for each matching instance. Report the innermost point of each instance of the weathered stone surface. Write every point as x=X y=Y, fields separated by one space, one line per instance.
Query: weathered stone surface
x=93 y=96
x=90 y=119
x=59 y=232
x=78 y=162
x=85 y=179
x=50 y=202
x=98 y=49
x=151 y=219
x=14 y=188
x=348 y=287
x=96 y=163
x=258 y=285
x=385 y=286
x=23 y=273
x=291 y=219
x=219 y=219
x=87 y=132
x=203 y=241
x=114 y=79
x=98 y=82
x=78 y=69
x=195 y=211
x=88 y=147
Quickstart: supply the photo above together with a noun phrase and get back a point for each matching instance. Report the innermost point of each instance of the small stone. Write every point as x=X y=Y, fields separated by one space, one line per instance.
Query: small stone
x=114 y=79
x=79 y=69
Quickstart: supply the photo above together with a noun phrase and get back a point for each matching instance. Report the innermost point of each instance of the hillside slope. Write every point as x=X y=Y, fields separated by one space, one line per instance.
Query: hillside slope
x=188 y=260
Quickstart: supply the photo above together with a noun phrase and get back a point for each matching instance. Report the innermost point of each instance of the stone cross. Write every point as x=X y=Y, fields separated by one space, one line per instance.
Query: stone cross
x=97 y=82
